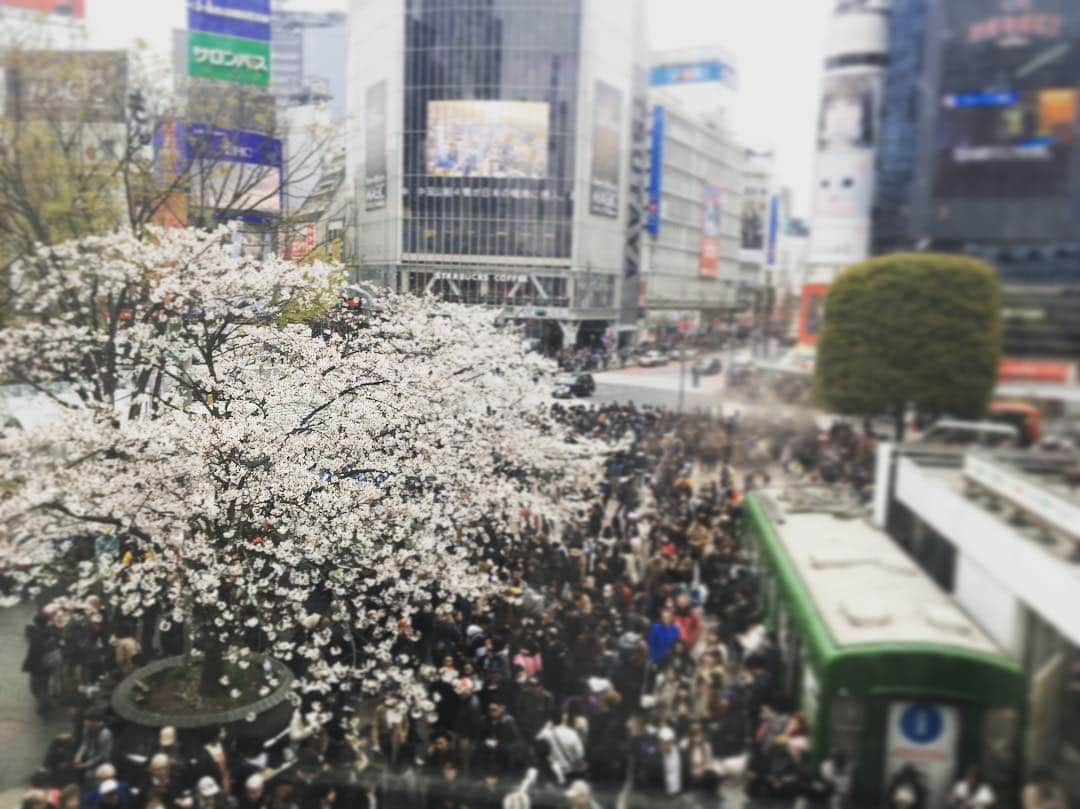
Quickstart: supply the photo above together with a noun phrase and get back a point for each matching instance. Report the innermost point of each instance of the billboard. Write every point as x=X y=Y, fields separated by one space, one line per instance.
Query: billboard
x=71 y=8
x=1008 y=105
x=504 y=139
x=752 y=222
x=83 y=86
x=227 y=58
x=847 y=136
x=234 y=170
x=692 y=73
x=375 y=147
x=606 y=150
x=656 y=169
x=709 y=262
x=847 y=118
x=812 y=312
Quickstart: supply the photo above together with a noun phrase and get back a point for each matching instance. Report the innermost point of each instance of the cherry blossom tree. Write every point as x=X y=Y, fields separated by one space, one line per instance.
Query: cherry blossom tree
x=274 y=492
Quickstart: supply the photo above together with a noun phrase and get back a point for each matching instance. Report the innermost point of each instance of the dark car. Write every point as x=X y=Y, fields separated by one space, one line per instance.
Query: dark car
x=574 y=385
x=708 y=366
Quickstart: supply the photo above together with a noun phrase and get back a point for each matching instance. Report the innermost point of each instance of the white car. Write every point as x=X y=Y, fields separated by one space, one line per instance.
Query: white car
x=653 y=359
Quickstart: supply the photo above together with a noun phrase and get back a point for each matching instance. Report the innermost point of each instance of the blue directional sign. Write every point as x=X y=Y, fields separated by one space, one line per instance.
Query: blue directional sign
x=922 y=723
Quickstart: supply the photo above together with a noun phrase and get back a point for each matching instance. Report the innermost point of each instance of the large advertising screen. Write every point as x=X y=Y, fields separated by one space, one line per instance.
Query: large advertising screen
x=606 y=151
x=375 y=147
x=503 y=139
x=1009 y=101
x=710 y=232
x=752 y=219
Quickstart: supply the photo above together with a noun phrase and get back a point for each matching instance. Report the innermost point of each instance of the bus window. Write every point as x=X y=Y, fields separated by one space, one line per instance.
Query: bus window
x=1000 y=726
x=845 y=724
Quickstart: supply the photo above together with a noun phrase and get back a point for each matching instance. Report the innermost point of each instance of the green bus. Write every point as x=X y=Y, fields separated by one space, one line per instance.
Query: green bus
x=885 y=666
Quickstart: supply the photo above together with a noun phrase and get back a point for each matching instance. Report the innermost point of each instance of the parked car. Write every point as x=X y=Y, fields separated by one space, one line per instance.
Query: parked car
x=574 y=385
x=708 y=366
x=653 y=359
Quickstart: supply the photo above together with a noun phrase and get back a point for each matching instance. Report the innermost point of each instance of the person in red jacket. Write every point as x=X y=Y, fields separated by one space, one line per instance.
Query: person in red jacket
x=688 y=620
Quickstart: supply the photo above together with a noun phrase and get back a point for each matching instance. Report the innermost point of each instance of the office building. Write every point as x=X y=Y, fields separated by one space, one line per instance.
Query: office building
x=308 y=58
x=499 y=155
x=691 y=270
x=977 y=153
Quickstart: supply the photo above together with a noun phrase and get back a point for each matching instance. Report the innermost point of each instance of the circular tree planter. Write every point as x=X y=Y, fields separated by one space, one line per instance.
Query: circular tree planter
x=258 y=717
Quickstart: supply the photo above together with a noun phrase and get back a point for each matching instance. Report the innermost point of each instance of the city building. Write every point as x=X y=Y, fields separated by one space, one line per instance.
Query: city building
x=856 y=54
x=759 y=226
x=499 y=156
x=703 y=81
x=308 y=58
x=977 y=154
x=690 y=274
x=1000 y=530
x=59 y=24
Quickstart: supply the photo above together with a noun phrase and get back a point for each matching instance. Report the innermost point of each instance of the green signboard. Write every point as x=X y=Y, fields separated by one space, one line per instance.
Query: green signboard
x=243 y=61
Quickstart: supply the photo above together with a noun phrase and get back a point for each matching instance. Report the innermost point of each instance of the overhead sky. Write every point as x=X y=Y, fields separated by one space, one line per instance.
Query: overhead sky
x=777 y=44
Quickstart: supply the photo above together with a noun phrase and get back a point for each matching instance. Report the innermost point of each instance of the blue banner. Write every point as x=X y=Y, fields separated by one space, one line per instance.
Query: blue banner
x=692 y=73
x=656 y=170
x=201 y=142
x=228 y=26
x=774 y=229
x=249 y=6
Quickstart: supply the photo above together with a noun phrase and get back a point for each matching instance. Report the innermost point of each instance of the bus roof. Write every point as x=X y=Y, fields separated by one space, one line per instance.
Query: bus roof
x=864 y=588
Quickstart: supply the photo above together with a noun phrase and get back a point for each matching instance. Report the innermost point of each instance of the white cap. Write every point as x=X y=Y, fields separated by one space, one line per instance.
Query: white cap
x=208 y=787
x=255 y=782
x=667 y=734
x=107 y=786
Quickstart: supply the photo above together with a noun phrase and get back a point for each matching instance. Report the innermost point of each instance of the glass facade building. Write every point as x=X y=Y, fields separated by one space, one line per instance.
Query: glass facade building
x=490 y=116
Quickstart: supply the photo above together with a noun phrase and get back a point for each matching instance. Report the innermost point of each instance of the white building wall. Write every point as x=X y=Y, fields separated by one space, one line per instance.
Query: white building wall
x=1001 y=564
x=376 y=52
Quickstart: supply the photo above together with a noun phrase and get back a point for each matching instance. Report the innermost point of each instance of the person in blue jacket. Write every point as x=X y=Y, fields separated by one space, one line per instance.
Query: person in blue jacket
x=662 y=637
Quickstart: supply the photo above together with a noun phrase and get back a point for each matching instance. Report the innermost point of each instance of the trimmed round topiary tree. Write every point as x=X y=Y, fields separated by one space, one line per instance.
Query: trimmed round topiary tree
x=911 y=329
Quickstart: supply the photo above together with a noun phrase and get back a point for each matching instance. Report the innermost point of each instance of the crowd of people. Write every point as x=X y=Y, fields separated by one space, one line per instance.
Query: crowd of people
x=623 y=664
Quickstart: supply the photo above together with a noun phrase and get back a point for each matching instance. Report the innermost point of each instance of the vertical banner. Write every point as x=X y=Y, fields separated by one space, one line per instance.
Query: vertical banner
x=375 y=147
x=812 y=312
x=709 y=264
x=606 y=151
x=774 y=230
x=656 y=169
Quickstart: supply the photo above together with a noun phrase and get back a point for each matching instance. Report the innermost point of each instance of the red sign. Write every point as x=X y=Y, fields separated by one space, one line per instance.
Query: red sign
x=709 y=260
x=298 y=248
x=72 y=8
x=1036 y=371
x=812 y=312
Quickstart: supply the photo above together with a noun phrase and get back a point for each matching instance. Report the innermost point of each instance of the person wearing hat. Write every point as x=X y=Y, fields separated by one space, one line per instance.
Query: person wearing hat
x=662 y=776
x=208 y=794
x=109 y=794
x=580 y=796
x=254 y=795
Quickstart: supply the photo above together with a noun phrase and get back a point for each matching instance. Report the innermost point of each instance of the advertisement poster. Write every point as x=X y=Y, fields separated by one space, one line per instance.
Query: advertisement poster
x=375 y=147
x=606 y=151
x=72 y=8
x=502 y=139
x=1009 y=103
x=752 y=223
x=710 y=232
x=923 y=735
x=812 y=312
x=234 y=170
x=847 y=112
x=656 y=169
x=692 y=73
x=84 y=86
